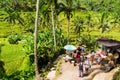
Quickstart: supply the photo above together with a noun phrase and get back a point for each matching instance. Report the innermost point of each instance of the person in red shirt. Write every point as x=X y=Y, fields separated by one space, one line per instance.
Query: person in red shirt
x=74 y=57
x=78 y=57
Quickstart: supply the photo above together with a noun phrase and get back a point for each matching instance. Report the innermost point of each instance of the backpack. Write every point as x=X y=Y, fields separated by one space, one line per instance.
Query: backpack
x=81 y=66
x=82 y=58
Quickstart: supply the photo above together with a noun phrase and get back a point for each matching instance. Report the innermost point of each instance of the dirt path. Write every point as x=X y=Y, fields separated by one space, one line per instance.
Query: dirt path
x=70 y=72
x=105 y=76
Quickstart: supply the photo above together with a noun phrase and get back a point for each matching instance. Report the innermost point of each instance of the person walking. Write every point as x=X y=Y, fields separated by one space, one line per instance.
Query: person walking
x=78 y=57
x=87 y=65
x=99 y=59
x=81 y=69
x=82 y=58
x=92 y=56
x=74 y=57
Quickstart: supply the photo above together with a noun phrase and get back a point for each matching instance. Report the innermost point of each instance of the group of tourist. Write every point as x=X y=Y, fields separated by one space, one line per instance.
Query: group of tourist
x=84 y=61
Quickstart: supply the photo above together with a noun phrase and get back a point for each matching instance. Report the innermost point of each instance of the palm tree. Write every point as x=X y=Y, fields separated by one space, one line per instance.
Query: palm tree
x=78 y=23
x=12 y=15
x=35 y=42
x=67 y=7
x=89 y=23
x=48 y=16
x=116 y=15
x=55 y=11
x=53 y=7
x=104 y=22
x=53 y=26
x=45 y=15
x=90 y=4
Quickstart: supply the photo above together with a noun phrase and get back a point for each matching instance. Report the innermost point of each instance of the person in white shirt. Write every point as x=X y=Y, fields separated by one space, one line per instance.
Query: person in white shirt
x=87 y=65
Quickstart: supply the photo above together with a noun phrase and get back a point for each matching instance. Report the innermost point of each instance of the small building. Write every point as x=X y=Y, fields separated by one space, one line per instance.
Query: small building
x=110 y=46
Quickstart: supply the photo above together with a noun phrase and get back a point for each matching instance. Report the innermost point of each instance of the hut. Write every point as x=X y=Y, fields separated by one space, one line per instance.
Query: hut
x=110 y=46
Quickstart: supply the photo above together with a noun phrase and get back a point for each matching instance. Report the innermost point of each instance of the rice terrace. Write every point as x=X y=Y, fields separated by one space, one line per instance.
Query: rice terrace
x=59 y=40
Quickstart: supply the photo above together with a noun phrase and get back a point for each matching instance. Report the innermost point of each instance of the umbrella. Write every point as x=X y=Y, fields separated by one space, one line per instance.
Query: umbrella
x=70 y=47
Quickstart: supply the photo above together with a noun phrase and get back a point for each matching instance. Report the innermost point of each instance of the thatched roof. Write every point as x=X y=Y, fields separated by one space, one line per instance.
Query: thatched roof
x=108 y=42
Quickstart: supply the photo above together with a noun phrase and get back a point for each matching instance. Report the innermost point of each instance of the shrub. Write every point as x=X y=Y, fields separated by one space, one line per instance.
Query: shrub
x=58 y=69
x=13 y=39
x=2 y=70
x=116 y=76
x=89 y=41
x=22 y=75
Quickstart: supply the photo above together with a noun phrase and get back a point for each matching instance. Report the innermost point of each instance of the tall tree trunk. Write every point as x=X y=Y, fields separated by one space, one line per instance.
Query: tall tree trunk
x=68 y=34
x=53 y=27
x=35 y=42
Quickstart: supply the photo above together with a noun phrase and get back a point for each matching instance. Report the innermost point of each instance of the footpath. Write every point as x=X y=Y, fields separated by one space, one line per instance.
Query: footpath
x=70 y=72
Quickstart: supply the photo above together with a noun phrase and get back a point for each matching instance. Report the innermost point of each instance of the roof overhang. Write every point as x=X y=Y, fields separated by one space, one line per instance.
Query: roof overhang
x=108 y=42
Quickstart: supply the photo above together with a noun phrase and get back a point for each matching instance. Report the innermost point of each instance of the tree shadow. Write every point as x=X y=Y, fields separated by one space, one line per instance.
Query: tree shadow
x=2 y=70
x=95 y=68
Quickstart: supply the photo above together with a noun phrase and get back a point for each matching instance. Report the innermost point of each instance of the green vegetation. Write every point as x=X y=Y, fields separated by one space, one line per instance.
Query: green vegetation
x=116 y=76
x=58 y=68
x=12 y=55
x=14 y=39
x=60 y=22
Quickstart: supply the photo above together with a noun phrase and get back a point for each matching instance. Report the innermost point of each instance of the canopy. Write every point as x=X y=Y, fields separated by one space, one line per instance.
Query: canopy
x=108 y=42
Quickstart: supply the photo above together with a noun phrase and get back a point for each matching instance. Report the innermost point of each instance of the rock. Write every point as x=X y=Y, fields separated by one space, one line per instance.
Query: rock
x=51 y=75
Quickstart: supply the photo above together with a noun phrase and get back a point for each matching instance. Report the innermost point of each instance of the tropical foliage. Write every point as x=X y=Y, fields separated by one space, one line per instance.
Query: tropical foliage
x=60 y=22
x=116 y=76
x=13 y=39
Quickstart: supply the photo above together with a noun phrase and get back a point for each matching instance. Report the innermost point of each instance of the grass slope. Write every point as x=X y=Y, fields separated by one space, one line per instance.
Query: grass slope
x=11 y=55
